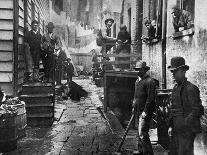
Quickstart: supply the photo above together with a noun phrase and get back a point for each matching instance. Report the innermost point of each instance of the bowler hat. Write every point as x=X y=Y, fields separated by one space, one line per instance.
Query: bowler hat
x=109 y=19
x=51 y=25
x=141 y=64
x=123 y=27
x=176 y=63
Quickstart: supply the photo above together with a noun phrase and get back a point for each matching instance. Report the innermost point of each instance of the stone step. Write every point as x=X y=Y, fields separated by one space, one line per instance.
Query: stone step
x=37 y=88
x=39 y=108
x=37 y=99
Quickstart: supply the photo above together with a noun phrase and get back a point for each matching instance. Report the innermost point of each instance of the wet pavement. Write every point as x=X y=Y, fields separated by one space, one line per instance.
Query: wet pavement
x=83 y=130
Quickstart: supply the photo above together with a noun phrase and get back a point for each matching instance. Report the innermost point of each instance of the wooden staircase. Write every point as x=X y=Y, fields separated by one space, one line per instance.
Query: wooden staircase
x=39 y=100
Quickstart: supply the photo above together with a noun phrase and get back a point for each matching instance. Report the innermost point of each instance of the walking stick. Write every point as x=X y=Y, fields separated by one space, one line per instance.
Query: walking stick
x=125 y=134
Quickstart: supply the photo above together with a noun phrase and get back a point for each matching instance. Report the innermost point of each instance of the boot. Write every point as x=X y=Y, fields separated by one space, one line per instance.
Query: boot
x=36 y=75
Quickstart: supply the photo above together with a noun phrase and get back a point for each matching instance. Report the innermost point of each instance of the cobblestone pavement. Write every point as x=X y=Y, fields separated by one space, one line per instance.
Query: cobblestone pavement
x=82 y=130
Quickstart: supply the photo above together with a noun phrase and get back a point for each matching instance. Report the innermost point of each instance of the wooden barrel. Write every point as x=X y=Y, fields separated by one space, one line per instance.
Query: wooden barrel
x=8 y=133
x=21 y=119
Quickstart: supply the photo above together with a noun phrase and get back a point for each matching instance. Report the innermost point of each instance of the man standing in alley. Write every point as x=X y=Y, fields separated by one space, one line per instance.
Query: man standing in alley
x=186 y=109
x=69 y=70
x=33 y=40
x=144 y=106
x=51 y=44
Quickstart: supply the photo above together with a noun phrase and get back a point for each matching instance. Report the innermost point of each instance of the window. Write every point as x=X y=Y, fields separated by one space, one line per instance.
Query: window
x=129 y=17
x=184 y=26
x=152 y=25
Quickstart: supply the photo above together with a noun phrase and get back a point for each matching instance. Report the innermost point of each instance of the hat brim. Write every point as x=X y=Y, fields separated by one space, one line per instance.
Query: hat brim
x=147 y=68
x=110 y=19
x=186 y=67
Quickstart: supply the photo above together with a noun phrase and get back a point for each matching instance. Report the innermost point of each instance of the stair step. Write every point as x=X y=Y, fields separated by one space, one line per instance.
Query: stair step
x=40 y=110
x=37 y=99
x=37 y=88
x=40 y=115
x=40 y=121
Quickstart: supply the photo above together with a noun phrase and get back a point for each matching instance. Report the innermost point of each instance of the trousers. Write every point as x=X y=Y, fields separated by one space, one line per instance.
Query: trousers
x=144 y=144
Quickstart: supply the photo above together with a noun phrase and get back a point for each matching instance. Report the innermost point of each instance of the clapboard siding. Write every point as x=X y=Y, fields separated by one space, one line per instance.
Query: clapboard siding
x=6 y=56
x=6 y=25
x=6 y=35
x=6 y=14
x=12 y=64
x=6 y=45
x=6 y=4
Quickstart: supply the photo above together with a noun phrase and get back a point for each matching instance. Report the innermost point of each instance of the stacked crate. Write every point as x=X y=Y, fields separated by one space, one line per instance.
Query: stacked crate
x=39 y=99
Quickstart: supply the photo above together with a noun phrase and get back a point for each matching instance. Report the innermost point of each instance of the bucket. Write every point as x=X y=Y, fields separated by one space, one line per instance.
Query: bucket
x=8 y=134
x=21 y=119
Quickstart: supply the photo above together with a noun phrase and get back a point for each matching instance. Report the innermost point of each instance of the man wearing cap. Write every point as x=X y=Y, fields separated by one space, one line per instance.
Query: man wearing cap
x=51 y=43
x=182 y=19
x=33 y=40
x=185 y=111
x=69 y=70
x=144 y=105
x=107 y=36
x=151 y=31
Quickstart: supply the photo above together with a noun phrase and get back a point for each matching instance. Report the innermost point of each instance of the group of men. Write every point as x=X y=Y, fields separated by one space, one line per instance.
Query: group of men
x=185 y=108
x=46 y=48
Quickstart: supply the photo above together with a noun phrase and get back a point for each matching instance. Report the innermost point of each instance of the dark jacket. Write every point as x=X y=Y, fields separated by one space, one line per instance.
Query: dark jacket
x=34 y=40
x=144 y=96
x=192 y=109
x=184 y=20
x=50 y=43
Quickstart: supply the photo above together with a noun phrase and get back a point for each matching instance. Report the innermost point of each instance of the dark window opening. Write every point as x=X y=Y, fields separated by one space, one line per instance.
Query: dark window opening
x=184 y=25
x=153 y=23
x=129 y=23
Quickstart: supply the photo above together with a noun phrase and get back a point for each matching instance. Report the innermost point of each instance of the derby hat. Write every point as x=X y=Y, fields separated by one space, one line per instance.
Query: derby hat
x=176 y=63
x=109 y=19
x=141 y=64
x=123 y=27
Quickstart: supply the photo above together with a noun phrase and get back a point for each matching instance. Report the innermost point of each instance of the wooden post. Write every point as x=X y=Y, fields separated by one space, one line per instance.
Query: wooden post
x=15 y=46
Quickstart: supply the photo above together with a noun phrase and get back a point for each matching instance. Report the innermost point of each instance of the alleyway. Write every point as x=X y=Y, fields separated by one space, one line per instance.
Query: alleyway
x=83 y=130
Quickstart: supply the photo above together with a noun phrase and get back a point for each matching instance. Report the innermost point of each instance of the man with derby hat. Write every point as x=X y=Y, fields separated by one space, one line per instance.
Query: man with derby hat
x=51 y=43
x=185 y=109
x=144 y=105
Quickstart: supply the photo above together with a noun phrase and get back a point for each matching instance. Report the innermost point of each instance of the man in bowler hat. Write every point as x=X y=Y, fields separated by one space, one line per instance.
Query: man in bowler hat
x=51 y=43
x=185 y=109
x=144 y=105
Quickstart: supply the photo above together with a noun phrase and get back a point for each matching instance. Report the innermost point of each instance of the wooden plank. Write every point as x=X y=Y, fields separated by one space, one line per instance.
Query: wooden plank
x=6 y=77
x=21 y=31
x=6 y=45
x=6 y=14
x=119 y=55
x=6 y=66
x=7 y=25
x=116 y=62
x=6 y=56
x=21 y=22
x=21 y=13
x=21 y=3
x=6 y=4
x=6 y=35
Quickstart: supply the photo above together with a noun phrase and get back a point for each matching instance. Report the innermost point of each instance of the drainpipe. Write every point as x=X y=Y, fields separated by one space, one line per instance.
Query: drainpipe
x=164 y=30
